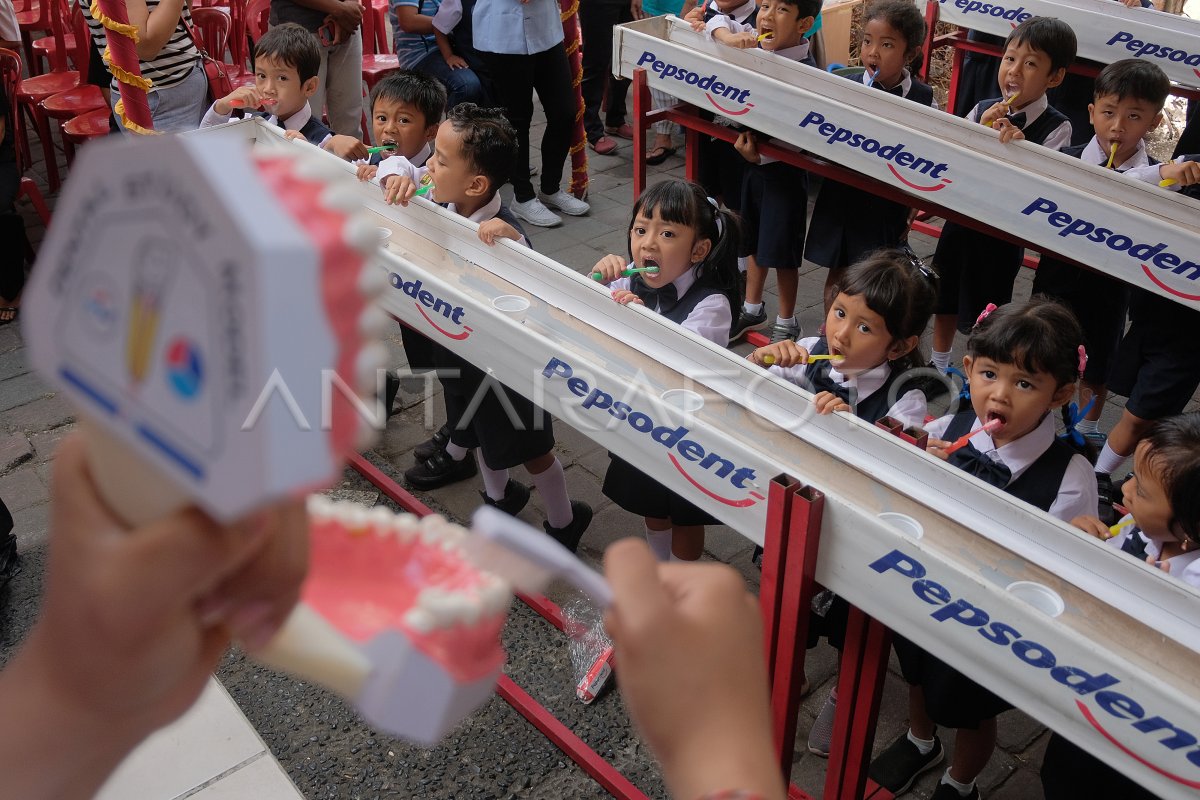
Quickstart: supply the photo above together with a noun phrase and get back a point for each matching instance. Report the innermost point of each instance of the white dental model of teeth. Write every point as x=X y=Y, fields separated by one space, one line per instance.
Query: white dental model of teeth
x=210 y=312
x=396 y=619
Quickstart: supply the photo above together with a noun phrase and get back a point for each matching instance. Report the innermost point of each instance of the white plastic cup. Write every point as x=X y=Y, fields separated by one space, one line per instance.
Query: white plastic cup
x=903 y=523
x=513 y=305
x=684 y=399
x=1043 y=598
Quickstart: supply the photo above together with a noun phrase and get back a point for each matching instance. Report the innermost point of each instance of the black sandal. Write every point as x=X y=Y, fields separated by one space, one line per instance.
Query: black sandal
x=663 y=154
x=9 y=314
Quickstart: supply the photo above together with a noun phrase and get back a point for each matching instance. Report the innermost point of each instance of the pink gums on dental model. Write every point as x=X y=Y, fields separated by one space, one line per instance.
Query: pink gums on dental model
x=374 y=571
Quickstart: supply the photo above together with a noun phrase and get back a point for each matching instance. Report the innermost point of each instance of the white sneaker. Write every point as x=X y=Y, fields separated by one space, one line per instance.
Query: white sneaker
x=533 y=212
x=565 y=202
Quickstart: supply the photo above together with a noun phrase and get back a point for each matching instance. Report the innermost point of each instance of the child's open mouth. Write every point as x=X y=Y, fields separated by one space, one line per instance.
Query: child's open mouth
x=650 y=266
x=996 y=419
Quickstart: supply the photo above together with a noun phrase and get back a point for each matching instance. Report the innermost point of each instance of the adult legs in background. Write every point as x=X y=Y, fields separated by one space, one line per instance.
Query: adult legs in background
x=339 y=86
x=552 y=81
x=515 y=93
x=662 y=147
x=597 y=18
x=177 y=108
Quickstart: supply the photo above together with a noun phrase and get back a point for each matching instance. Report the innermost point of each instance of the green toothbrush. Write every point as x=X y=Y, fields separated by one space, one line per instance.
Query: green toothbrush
x=626 y=273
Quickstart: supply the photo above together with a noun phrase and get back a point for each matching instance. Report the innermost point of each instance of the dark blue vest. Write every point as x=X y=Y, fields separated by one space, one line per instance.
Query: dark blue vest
x=1037 y=131
x=872 y=408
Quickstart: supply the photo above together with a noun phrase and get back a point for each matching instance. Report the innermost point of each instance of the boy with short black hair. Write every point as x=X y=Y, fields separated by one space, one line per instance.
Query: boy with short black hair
x=406 y=109
x=286 y=63
x=473 y=153
x=1127 y=105
x=774 y=195
x=975 y=268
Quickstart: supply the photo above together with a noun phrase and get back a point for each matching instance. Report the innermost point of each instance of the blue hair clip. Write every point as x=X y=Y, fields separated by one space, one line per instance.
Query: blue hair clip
x=965 y=392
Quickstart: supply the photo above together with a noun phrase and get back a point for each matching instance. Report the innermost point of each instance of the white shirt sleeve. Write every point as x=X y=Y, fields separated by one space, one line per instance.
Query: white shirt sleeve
x=1060 y=138
x=1150 y=174
x=211 y=117
x=448 y=15
x=720 y=21
x=1077 y=494
x=712 y=319
x=399 y=165
x=910 y=409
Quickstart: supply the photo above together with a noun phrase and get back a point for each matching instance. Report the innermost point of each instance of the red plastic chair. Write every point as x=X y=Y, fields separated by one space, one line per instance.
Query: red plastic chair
x=83 y=98
x=379 y=12
x=32 y=91
x=85 y=127
x=10 y=76
x=374 y=65
x=33 y=16
x=212 y=26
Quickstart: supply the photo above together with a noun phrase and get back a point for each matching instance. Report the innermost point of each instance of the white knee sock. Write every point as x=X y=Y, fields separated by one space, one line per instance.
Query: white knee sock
x=1109 y=459
x=941 y=360
x=924 y=745
x=752 y=308
x=494 y=480
x=963 y=789
x=660 y=543
x=455 y=451
x=552 y=486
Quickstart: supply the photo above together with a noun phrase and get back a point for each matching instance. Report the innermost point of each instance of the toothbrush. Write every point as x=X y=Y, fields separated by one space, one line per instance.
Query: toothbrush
x=627 y=273
x=383 y=148
x=1112 y=154
x=769 y=360
x=1008 y=104
x=1167 y=182
x=426 y=185
x=529 y=559
x=762 y=37
x=237 y=102
x=961 y=442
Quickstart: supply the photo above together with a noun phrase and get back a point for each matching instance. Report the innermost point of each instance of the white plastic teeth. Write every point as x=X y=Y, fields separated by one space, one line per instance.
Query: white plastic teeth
x=314 y=167
x=359 y=232
x=373 y=322
x=344 y=197
x=372 y=282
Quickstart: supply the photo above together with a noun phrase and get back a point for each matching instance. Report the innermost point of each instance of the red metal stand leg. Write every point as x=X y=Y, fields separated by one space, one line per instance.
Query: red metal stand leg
x=691 y=158
x=955 y=74
x=604 y=773
x=641 y=107
x=931 y=19
x=860 y=687
x=770 y=592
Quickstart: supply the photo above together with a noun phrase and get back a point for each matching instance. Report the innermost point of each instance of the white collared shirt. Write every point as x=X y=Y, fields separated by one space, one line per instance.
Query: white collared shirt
x=1185 y=566
x=712 y=316
x=730 y=23
x=1059 y=138
x=909 y=409
x=1137 y=166
x=293 y=123
x=1077 y=492
x=739 y=15
x=905 y=85
x=487 y=211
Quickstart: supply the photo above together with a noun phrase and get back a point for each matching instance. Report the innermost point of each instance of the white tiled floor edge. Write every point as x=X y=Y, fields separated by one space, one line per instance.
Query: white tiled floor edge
x=210 y=753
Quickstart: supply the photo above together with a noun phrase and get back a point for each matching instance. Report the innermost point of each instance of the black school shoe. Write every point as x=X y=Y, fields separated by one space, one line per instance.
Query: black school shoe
x=945 y=791
x=516 y=495
x=898 y=766
x=435 y=444
x=569 y=535
x=440 y=470
x=10 y=562
x=1106 y=495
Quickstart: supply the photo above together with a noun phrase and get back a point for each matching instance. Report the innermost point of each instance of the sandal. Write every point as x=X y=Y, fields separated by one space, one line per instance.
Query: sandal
x=9 y=314
x=659 y=154
x=622 y=131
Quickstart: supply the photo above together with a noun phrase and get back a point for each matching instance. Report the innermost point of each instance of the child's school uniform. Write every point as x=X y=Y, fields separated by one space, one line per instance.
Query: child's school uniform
x=867 y=392
x=848 y=223
x=704 y=309
x=502 y=442
x=722 y=168
x=1158 y=364
x=303 y=120
x=774 y=204
x=1037 y=468
x=1098 y=301
x=975 y=268
x=1069 y=771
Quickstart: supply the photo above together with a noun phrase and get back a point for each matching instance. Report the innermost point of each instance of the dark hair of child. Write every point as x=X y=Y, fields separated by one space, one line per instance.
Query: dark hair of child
x=417 y=89
x=1136 y=78
x=897 y=286
x=1037 y=335
x=1173 y=448
x=685 y=203
x=294 y=46
x=807 y=8
x=905 y=18
x=489 y=142
x=1049 y=35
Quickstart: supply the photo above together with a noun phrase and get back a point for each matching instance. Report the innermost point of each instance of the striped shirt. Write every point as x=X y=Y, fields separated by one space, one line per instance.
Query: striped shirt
x=172 y=64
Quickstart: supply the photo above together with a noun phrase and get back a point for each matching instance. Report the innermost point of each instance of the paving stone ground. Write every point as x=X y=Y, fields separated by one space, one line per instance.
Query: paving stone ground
x=326 y=750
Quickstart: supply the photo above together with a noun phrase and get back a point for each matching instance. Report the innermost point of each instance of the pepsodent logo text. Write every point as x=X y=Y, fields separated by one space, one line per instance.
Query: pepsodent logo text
x=1167 y=265
x=738 y=100
x=1013 y=15
x=1123 y=718
x=684 y=453
x=450 y=323
x=896 y=154
x=1141 y=49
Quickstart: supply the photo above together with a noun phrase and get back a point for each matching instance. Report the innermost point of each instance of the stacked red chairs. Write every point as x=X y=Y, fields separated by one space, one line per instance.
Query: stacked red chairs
x=32 y=91
x=84 y=98
x=10 y=76
x=379 y=11
x=374 y=64
x=33 y=16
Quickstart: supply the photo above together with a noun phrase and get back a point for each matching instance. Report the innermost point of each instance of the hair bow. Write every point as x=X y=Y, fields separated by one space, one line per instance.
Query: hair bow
x=988 y=309
x=717 y=216
x=1082 y=359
